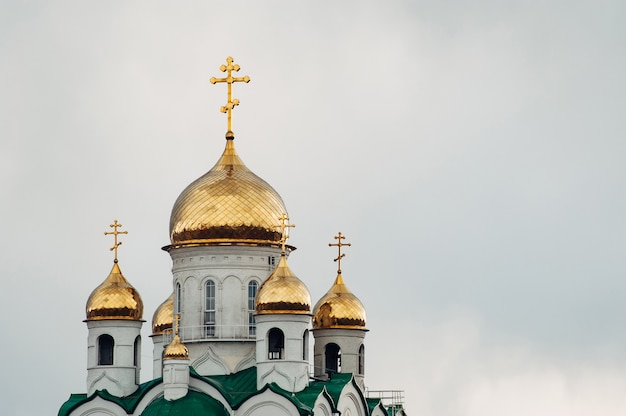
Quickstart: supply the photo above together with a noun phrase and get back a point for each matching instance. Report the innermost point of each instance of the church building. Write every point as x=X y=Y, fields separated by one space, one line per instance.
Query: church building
x=233 y=337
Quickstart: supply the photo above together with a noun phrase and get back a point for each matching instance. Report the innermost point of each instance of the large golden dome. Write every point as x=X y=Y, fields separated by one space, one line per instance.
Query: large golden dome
x=227 y=205
x=339 y=308
x=115 y=298
x=163 y=317
x=283 y=292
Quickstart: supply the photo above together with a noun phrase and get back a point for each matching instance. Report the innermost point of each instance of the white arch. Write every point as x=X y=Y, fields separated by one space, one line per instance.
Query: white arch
x=267 y=403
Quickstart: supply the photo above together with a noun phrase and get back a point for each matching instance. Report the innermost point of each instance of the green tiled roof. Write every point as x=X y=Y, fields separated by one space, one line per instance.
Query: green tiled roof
x=194 y=403
x=236 y=389
x=128 y=403
x=334 y=386
x=374 y=403
x=239 y=387
x=393 y=410
x=309 y=396
x=72 y=403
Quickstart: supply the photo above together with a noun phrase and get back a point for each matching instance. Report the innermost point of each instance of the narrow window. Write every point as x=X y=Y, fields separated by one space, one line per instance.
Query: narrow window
x=276 y=344
x=105 y=349
x=305 y=345
x=252 y=289
x=333 y=359
x=178 y=298
x=362 y=359
x=209 y=308
x=137 y=358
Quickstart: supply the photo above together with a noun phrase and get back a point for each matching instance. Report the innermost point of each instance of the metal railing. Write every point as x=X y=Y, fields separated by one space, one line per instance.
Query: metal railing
x=212 y=332
x=391 y=399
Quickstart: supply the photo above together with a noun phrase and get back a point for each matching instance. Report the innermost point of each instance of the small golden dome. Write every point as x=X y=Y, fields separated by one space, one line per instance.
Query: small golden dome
x=339 y=308
x=163 y=317
x=176 y=350
x=283 y=292
x=227 y=205
x=115 y=298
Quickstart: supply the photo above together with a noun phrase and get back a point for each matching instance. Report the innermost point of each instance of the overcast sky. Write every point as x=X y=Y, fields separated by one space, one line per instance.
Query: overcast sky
x=473 y=153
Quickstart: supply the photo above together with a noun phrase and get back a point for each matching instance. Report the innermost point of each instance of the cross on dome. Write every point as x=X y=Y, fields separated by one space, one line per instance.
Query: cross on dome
x=339 y=244
x=176 y=323
x=284 y=219
x=229 y=80
x=115 y=233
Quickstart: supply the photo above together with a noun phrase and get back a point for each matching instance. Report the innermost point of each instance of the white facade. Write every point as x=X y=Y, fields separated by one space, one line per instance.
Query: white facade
x=351 y=357
x=287 y=366
x=159 y=342
x=175 y=379
x=113 y=356
x=218 y=332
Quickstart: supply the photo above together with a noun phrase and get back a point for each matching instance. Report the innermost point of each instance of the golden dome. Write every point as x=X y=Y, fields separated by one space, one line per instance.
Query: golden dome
x=339 y=308
x=115 y=298
x=176 y=350
x=283 y=292
x=227 y=205
x=163 y=317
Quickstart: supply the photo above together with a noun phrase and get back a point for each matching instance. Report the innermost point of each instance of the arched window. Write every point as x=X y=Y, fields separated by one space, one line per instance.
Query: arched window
x=253 y=287
x=333 y=359
x=178 y=298
x=362 y=359
x=105 y=349
x=305 y=345
x=276 y=344
x=209 y=308
x=137 y=358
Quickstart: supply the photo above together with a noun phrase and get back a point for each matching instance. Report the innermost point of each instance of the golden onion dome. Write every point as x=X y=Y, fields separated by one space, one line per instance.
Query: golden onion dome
x=339 y=308
x=283 y=292
x=227 y=205
x=115 y=298
x=163 y=317
x=176 y=350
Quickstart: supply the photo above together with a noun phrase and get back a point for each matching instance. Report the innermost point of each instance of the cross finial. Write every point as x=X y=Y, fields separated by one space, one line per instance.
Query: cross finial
x=115 y=233
x=176 y=323
x=284 y=224
x=231 y=103
x=339 y=244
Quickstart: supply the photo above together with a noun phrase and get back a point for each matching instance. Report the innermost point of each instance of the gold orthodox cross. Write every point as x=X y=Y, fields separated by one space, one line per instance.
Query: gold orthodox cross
x=232 y=103
x=284 y=219
x=339 y=244
x=176 y=323
x=115 y=233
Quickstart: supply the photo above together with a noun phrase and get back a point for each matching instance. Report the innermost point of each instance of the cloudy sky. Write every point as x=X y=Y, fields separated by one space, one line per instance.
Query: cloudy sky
x=472 y=153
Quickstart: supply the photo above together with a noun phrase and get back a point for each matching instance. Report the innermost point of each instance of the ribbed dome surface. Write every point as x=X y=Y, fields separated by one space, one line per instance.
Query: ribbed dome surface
x=227 y=205
x=115 y=298
x=339 y=308
x=283 y=292
x=176 y=350
x=163 y=317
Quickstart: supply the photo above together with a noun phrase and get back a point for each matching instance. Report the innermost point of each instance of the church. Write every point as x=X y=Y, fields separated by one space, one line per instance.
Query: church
x=233 y=337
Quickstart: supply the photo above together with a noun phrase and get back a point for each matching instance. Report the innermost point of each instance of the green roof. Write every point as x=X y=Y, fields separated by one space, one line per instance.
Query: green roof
x=194 y=403
x=128 y=403
x=236 y=389
x=334 y=386
x=72 y=403
x=394 y=409
x=375 y=402
x=310 y=394
x=239 y=387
